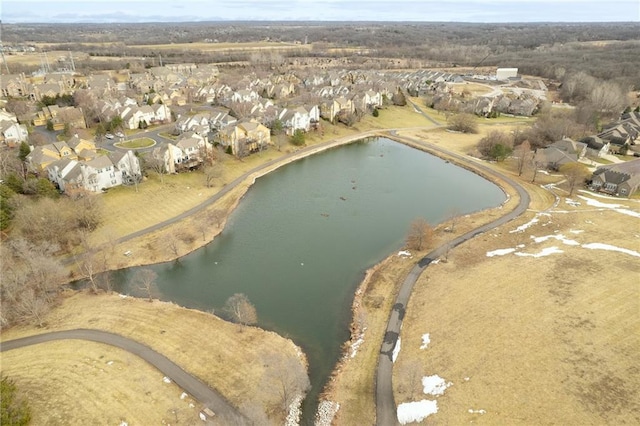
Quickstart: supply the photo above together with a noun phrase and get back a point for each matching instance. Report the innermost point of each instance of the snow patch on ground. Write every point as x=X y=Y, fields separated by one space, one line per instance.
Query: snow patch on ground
x=500 y=252
x=576 y=231
x=356 y=345
x=472 y=411
x=521 y=228
x=293 y=417
x=601 y=246
x=396 y=350
x=183 y=395
x=558 y=237
x=545 y=252
x=426 y=339
x=571 y=202
x=434 y=385
x=416 y=411
x=327 y=410
x=123 y=296
x=203 y=417
x=616 y=207
x=166 y=379
x=404 y=253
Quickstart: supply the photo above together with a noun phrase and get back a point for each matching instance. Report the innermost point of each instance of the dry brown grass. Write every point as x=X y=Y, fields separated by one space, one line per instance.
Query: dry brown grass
x=547 y=340
x=550 y=340
x=229 y=357
x=213 y=47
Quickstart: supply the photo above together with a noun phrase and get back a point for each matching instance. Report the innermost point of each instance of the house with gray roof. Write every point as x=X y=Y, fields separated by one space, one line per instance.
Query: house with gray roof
x=622 y=179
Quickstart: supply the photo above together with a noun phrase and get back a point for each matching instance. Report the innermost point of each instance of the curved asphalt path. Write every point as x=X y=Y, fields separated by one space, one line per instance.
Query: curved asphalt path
x=225 y=412
x=385 y=404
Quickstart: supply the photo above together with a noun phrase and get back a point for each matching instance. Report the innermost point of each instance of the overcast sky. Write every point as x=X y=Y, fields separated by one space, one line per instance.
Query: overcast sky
x=17 y=11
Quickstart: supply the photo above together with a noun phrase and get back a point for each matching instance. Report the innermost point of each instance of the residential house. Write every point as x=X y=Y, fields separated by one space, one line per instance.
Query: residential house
x=100 y=174
x=170 y=155
x=560 y=153
x=128 y=164
x=329 y=110
x=622 y=179
x=596 y=147
x=12 y=133
x=245 y=137
x=192 y=155
x=41 y=156
x=14 y=86
x=245 y=95
x=65 y=173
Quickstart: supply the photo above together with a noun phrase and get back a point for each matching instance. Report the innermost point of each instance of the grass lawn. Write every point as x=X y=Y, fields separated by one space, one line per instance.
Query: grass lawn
x=78 y=382
x=136 y=143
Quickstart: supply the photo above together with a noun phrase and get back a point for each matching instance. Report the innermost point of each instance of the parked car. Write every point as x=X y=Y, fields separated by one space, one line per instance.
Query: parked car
x=109 y=136
x=120 y=134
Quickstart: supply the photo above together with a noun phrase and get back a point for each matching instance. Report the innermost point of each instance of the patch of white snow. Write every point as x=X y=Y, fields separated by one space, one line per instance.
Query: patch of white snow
x=616 y=207
x=576 y=231
x=183 y=395
x=558 y=237
x=545 y=252
x=396 y=350
x=601 y=246
x=416 y=411
x=521 y=228
x=500 y=252
x=166 y=379
x=203 y=417
x=356 y=345
x=472 y=411
x=434 y=385
x=123 y=296
x=426 y=339
x=327 y=410
x=293 y=416
x=404 y=253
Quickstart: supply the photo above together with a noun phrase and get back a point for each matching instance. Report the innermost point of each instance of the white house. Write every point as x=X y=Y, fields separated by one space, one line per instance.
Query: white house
x=128 y=164
x=245 y=95
x=12 y=132
x=170 y=155
x=100 y=174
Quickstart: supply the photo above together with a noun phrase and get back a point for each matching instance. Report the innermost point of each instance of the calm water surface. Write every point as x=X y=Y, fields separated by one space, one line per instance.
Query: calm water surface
x=299 y=242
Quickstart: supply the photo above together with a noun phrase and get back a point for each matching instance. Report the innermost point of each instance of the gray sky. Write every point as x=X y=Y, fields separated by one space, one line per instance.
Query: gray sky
x=17 y=11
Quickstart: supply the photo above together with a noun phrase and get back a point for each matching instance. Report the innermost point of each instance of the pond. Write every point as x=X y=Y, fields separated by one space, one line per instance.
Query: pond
x=301 y=239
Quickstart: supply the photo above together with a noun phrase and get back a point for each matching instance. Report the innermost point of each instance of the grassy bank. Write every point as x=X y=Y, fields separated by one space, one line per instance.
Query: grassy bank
x=77 y=382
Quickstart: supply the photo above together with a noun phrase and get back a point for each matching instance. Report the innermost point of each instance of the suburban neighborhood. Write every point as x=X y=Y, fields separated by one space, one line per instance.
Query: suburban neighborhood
x=328 y=223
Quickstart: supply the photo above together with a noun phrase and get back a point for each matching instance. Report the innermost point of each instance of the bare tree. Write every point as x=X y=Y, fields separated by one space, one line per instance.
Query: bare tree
x=420 y=234
x=240 y=309
x=575 y=175
x=157 y=166
x=145 y=279
x=287 y=377
x=522 y=154
x=212 y=173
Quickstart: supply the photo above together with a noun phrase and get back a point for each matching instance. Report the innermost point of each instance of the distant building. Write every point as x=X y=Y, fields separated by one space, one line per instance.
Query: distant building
x=506 y=73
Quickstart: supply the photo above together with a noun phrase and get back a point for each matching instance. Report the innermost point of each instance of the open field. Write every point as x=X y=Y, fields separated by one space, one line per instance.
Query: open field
x=555 y=336
x=553 y=341
x=75 y=383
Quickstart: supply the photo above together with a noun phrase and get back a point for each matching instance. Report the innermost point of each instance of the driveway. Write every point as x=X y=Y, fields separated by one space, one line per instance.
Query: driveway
x=386 y=410
x=208 y=397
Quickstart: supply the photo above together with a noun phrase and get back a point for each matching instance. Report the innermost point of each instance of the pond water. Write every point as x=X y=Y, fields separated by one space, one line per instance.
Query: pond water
x=301 y=239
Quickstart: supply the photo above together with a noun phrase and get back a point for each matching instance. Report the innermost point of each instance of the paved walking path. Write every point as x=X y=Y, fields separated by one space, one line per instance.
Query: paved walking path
x=386 y=410
x=210 y=398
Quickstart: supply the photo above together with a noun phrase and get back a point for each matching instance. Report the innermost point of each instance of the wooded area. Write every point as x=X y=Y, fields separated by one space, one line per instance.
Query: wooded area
x=551 y=50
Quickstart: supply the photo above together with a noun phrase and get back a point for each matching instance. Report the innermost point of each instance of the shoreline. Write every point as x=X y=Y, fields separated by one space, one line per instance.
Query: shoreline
x=237 y=193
